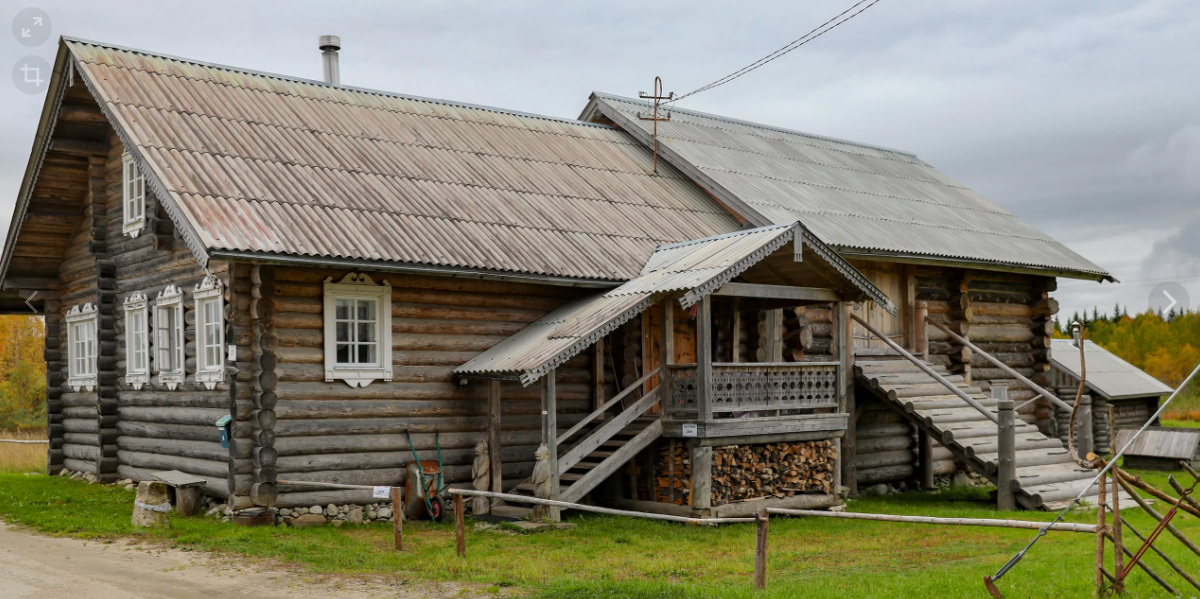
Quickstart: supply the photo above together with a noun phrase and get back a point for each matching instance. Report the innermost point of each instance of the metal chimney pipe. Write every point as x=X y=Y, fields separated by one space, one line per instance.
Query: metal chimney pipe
x=329 y=45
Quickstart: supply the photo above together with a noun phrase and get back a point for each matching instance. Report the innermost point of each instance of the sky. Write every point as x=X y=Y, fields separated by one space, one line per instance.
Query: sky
x=1080 y=116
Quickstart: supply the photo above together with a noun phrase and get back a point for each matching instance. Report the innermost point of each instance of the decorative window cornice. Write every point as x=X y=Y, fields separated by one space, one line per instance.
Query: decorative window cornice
x=137 y=341
x=168 y=337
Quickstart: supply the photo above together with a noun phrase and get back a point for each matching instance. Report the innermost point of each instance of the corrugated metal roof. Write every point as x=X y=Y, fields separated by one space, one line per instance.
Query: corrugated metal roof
x=1107 y=374
x=1176 y=443
x=698 y=267
x=263 y=163
x=852 y=196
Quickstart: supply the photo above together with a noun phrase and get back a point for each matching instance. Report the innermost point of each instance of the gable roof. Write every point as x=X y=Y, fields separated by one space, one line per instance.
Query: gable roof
x=856 y=197
x=1107 y=374
x=257 y=164
x=698 y=268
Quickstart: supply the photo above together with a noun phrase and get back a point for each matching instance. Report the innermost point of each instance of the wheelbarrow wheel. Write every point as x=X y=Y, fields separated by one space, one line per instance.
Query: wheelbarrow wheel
x=437 y=508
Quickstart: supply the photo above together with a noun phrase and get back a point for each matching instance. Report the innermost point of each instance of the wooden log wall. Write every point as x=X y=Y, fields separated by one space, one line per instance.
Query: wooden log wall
x=86 y=418
x=330 y=432
x=157 y=428
x=1006 y=315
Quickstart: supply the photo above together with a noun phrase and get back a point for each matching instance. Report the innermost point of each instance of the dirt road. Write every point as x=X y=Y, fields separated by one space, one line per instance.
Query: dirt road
x=36 y=566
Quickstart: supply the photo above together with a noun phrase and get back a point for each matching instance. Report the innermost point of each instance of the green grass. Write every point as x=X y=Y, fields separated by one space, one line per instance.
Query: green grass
x=1181 y=423
x=606 y=557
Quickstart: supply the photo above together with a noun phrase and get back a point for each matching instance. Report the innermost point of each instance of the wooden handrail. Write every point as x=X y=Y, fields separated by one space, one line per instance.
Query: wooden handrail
x=925 y=367
x=1002 y=366
x=604 y=408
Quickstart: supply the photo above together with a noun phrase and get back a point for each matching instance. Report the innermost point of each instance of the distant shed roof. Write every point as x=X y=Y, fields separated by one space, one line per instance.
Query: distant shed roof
x=698 y=267
x=853 y=196
x=1107 y=374
x=266 y=164
x=1160 y=442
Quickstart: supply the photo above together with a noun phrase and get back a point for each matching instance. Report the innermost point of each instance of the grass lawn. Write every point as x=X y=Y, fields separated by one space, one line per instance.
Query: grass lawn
x=614 y=557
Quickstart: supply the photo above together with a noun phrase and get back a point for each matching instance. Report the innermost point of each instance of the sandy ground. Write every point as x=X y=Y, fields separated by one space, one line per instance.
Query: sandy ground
x=34 y=566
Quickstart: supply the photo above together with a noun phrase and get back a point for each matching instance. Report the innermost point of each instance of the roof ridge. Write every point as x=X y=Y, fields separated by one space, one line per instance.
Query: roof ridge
x=717 y=117
x=722 y=236
x=348 y=88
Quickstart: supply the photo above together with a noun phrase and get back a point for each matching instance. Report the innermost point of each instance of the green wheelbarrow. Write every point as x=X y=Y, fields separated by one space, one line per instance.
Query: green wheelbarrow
x=424 y=484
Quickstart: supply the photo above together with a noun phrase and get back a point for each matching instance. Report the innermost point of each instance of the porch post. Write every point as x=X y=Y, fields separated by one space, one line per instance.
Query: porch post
x=550 y=434
x=735 y=339
x=495 y=464
x=845 y=355
x=666 y=349
x=704 y=368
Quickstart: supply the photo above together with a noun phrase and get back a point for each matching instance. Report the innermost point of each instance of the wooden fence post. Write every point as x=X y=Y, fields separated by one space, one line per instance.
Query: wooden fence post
x=760 y=550
x=1006 y=472
x=397 y=519
x=1083 y=426
x=460 y=534
x=1101 y=529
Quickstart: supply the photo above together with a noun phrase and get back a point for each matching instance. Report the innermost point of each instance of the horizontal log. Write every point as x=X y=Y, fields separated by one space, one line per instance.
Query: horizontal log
x=202 y=450
x=870 y=476
x=392 y=459
x=889 y=458
x=384 y=426
x=156 y=461
x=290 y=446
x=291 y=409
x=172 y=415
x=394 y=390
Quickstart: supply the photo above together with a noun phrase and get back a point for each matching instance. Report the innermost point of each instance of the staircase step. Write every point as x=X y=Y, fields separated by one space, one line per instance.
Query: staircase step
x=914 y=378
x=957 y=415
x=898 y=392
x=941 y=402
x=1030 y=457
x=1025 y=442
x=969 y=430
x=882 y=366
x=1042 y=494
x=1035 y=476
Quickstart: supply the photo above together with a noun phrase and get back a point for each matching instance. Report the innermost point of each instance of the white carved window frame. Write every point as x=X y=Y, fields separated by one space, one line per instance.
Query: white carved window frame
x=83 y=340
x=358 y=286
x=133 y=196
x=137 y=341
x=209 y=294
x=168 y=337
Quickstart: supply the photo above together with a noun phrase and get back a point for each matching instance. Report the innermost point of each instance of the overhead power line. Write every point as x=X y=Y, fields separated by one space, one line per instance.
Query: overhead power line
x=824 y=28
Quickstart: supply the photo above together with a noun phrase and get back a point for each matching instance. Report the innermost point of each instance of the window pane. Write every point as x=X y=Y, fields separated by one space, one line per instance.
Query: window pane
x=343 y=353
x=343 y=332
x=366 y=332
x=366 y=310
x=366 y=354
x=343 y=309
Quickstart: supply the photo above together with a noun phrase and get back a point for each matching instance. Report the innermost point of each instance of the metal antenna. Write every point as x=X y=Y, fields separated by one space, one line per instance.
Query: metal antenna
x=657 y=96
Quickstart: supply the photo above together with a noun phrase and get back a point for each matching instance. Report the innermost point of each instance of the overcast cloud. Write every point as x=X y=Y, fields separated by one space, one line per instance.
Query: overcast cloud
x=1080 y=116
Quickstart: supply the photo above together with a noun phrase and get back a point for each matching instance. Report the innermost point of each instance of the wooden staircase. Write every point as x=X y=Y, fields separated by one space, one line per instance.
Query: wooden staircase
x=606 y=445
x=1047 y=477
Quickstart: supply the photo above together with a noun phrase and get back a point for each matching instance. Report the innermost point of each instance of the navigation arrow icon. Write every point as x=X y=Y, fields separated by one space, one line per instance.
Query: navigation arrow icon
x=29 y=304
x=25 y=33
x=1173 y=300
x=37 y=21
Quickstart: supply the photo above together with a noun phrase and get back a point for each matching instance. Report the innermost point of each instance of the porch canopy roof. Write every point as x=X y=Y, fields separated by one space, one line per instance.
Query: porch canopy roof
x=697 y=268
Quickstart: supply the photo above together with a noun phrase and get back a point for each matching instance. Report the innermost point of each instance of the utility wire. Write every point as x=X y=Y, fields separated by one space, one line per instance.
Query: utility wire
x=824 y=28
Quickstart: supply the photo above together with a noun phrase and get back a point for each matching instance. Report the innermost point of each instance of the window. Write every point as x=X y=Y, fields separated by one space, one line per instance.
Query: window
x=168 y=337
x=358 y=330
x=137 y=341
x=210 y=332
x=81 y=347
x=134 y=194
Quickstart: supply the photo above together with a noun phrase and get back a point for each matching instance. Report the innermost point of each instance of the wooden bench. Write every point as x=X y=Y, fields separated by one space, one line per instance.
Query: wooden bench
x=183 y=490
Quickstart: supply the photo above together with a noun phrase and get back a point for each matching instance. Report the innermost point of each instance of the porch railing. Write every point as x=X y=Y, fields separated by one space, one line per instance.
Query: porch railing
x=748 y=387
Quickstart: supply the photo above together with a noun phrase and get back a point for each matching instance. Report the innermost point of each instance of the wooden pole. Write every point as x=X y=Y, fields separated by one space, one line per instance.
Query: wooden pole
x=842 y=331
x=550 y=434
x=985 y=522
x=763 y=519
x=495 y=464
x=1133 y=479
x=921 y=346
x=1118 y=521
x=1101 y=529
x=1085 y=441
x=666 y=347
x=735 y=339
x=704 y=359
x=597 y=376
x=460 y=534
x=599 y=510
x=1006 y=472
x=397 y=519
x=925 y=459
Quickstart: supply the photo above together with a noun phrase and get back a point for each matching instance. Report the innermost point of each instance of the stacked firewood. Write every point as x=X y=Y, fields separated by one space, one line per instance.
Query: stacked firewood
x=677 y=476
x=742 y=472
